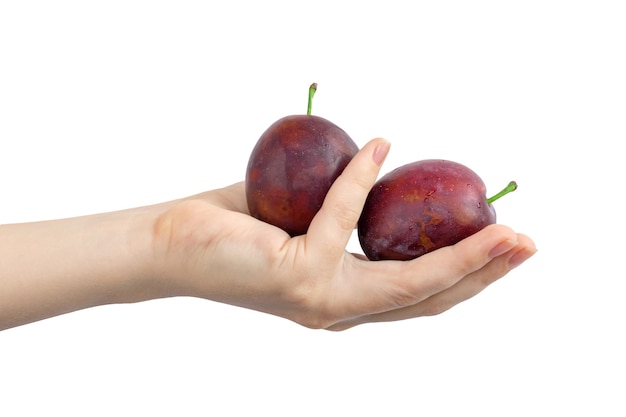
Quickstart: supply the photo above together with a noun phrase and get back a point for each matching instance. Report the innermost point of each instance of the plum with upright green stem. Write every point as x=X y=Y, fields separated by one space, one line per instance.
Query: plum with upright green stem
x=293 y=165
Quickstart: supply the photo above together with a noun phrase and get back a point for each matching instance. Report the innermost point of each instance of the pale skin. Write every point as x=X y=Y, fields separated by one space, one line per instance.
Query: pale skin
x=208 y=246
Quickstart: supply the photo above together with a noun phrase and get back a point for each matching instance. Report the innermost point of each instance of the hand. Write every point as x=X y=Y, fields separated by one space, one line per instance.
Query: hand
x=209 y=246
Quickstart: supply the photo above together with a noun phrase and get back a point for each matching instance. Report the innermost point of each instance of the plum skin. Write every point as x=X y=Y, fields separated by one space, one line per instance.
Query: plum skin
x=292 y=167
x=420 y=207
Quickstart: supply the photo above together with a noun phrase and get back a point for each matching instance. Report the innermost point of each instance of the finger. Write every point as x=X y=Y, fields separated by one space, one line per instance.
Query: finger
x=332 y=226
x=376 y=287
x=466 y=288
x=475 y=282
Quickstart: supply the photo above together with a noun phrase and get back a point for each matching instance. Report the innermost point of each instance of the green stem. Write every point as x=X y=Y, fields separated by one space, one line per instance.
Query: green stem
x=512 y=186
x=312 y=90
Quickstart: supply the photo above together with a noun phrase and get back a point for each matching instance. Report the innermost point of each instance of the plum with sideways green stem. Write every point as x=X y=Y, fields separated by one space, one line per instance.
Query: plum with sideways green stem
x=423 y=206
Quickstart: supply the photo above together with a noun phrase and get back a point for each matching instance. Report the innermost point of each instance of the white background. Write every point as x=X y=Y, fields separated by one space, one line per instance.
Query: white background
x=109 y=105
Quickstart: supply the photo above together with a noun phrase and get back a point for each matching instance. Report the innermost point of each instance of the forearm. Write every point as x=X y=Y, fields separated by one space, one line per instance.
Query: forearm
x=54 y=267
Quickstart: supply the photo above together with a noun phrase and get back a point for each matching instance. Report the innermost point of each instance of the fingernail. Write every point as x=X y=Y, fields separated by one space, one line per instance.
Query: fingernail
x=502 y=248
x=521 y=256
x=380 y=153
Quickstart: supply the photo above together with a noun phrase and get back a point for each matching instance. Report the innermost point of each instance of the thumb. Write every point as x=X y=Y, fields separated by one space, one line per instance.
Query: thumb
x=332 y=226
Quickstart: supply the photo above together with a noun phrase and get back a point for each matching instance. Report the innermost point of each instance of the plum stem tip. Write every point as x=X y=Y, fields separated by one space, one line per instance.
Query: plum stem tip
x=511 y=186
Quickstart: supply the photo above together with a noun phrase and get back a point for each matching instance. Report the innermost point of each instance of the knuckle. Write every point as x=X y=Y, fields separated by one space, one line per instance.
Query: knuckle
x=401 y=297
x=346 y=216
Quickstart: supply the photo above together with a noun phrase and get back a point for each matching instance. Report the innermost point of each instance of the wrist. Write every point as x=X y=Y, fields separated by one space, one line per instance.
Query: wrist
x=143 y=270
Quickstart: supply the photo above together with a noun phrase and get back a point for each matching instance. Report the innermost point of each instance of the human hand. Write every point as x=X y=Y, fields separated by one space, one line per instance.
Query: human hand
x=209 y=246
